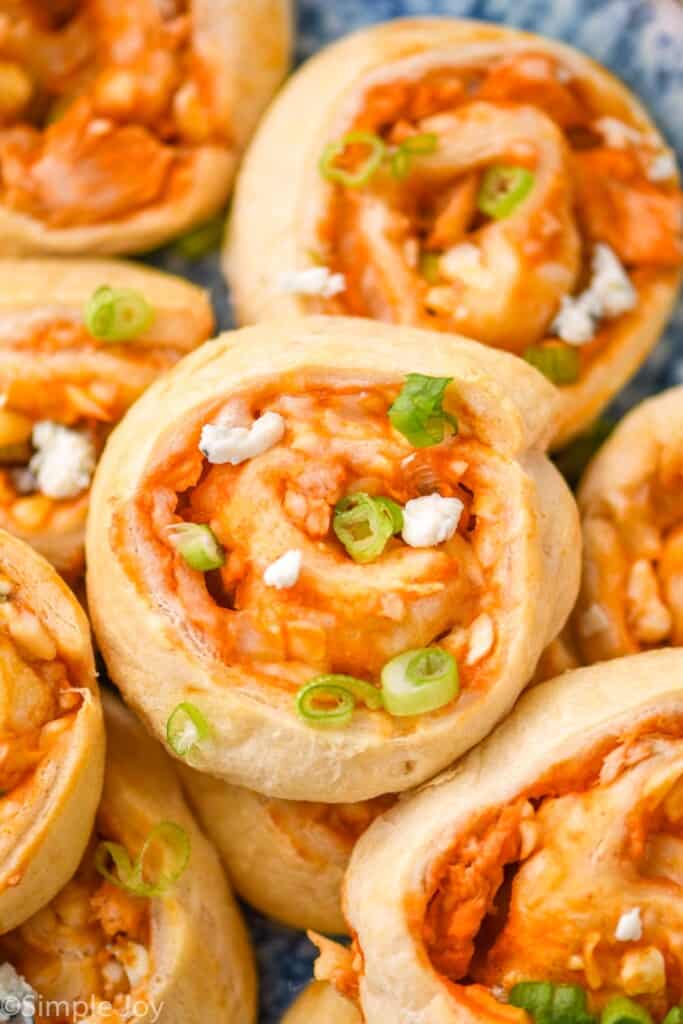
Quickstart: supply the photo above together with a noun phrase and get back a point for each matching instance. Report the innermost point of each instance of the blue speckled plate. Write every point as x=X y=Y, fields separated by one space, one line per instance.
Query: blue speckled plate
x=640 y=40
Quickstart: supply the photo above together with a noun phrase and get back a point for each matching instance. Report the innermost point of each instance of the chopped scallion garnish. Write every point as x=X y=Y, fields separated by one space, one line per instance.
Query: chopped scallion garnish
x=198 y=545
x=547 y=1003
x=418 y=411
x=502 y=190
x=117 y=314
x=560 y=363
x=674 y=1016
x=420 y=681
x=622 y=1010
x=186 y=728
x=414 y=145
x=376 y=150
x=328 y=701
x=365 y=524
x=162 y=860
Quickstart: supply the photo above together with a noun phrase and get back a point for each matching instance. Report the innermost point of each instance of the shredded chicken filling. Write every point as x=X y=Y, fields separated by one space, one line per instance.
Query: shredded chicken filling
x=90 y=944
x=38 y=703
x=418 y=249
x=101 y=107
x=537 y=890
x=337 y=441
x=636 y=549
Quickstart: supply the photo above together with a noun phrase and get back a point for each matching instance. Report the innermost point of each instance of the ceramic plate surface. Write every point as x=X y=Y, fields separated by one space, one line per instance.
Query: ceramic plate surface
x=639 y=40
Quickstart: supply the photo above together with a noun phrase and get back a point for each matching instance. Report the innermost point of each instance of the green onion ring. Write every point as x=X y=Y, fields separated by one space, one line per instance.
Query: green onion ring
x=503 y=189
x=622 y=1010
x=551 y=1004
x=342 y=693
x=117 y=314
x=360 y=177
x=175 y=843
x=418 y=411
x=560 y=363
x=186 y=728
x=674 y=1016
x=420 y=681
x=365 y=524
x=198 y=545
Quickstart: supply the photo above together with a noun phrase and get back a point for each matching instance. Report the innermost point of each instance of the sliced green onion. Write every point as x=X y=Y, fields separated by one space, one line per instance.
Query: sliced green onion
x=364 y=173
x=674 y=1016
x=574 y=457
x=420 y=145
x=558 y=362
x=117 y=314
x=201 y=240
x=503 y=188
x=186 y=728
x=328 y=701
x=551 y=1004
x=420 y=681
x=418 y=411
x=621 y=1010
x=536 y=997
x=414 y=145
x=164 y=856
x=430 y=267
x=198 y=545
x=365 y=524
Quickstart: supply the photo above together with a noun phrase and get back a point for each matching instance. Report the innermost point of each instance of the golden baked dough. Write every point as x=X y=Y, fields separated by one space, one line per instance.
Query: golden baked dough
x=121 y=124
x=303 y=410
x=54 y=371
x=178 y=954
x=287 y=858
x=51 y=732
x=320 y=1004
x=631 y=503
x=552 y=853
x=417 y=229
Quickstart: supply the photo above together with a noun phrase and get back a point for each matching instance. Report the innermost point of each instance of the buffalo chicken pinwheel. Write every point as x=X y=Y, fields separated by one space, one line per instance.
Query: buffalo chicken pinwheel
x=321 y=574
x=51 y=732
x=79 y=341
x=121 y=123
x=631 y=504
x=467 y=178
x=146 y=929
x=287 y=858
x=542 y=879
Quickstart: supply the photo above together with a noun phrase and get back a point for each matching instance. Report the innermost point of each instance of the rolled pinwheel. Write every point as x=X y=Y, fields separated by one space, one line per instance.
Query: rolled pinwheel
x=541 y=878
x=121 y=124
x=51 y=733
x=320 y=574
x=79 y=341
x=287 y=858
x=471 y=178
x=320 y=1004
x=146 y=929
x=631 y=503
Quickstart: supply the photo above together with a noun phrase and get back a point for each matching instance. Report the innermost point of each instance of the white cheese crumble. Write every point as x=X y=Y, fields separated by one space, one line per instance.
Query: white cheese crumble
x=222 y=443
x=430 y=520
x=285 y=571
x=617 y=134
x=629 y=926
x=609 y=294
x=17 y=998
x=312 y=281
x=662 y=167
x=64 y=461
